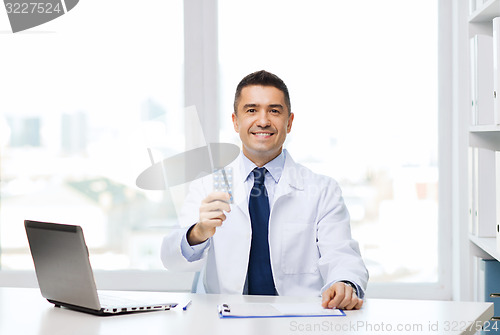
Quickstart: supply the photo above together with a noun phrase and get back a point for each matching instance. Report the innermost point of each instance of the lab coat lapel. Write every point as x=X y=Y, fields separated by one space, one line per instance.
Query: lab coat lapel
x=236 y=247
x=240 y=196
x=291 y=179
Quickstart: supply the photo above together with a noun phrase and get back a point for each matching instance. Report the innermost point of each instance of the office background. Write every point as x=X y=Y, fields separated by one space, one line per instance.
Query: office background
x=83 y=98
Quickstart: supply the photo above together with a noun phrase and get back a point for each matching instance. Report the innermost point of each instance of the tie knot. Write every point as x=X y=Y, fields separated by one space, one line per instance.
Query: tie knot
x=258 y=175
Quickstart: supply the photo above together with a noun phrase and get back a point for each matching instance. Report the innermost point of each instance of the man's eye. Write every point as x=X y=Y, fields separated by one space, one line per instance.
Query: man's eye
x=251 y=110
x=275 y=111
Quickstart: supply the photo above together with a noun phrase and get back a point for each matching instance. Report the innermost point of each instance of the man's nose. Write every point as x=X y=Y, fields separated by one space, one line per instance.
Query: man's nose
x=263 y=119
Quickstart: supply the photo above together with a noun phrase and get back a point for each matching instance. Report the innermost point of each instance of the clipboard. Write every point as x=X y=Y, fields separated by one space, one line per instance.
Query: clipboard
x=275 y=310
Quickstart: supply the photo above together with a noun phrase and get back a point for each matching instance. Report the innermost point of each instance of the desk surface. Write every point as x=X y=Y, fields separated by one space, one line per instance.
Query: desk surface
x=24 y=311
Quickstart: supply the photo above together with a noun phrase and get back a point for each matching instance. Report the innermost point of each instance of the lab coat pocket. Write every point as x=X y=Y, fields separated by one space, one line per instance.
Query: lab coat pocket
x=299 y=252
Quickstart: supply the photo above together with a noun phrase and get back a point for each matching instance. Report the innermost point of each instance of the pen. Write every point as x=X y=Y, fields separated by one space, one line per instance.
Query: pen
x=187 y=305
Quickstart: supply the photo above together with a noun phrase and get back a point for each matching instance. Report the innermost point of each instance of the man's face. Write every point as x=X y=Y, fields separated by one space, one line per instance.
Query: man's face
x=262 y=121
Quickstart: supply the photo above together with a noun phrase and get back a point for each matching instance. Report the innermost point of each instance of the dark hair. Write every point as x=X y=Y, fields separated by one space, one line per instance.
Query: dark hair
x=262 y=78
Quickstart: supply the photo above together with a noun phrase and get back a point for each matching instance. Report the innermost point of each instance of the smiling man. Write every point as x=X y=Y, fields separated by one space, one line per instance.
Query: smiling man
x=263 y=121
x=288 y=231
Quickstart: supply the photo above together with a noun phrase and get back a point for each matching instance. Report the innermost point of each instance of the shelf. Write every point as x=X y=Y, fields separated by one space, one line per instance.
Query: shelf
x=487 y=244
x=480 y=174
x=485 y=129
x=487 y=12
x=487 y=137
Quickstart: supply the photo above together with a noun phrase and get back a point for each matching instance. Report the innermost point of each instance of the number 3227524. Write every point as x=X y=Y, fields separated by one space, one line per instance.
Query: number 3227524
x=33 y=7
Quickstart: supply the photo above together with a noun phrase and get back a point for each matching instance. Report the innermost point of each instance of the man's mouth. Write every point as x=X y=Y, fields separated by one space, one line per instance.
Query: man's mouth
x=262 y=134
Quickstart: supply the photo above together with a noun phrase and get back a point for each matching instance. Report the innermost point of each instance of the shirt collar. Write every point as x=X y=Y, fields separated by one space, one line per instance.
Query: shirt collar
x=274 y=167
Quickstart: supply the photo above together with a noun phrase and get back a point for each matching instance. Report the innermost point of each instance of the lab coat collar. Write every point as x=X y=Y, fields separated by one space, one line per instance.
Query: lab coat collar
x=291 y=178
x=274 y=167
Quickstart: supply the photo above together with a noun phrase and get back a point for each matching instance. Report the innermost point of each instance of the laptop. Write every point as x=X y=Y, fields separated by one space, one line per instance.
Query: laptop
x=65 y=275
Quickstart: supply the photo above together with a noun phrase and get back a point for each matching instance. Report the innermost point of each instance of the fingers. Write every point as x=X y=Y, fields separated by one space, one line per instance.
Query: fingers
x=334 y=295
x=341 y=296
x=359 y=304
x=217 y=196
x=212 y=208
x=211 y=211
x=213 y=222
x=327 y=296
x=355 y=302
x=212 y=215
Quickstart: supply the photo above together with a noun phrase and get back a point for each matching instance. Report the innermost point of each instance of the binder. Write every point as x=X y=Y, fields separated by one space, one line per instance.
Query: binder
x=484 y=192
x=490 y=274
x=275 y=310
x=481 y=51
x=472 y=191
x=496 y=69
x=472 y=6
x=497 y=197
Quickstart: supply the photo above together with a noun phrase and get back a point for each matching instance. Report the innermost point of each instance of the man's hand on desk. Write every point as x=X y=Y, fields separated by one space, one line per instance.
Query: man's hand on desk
x=212 y=215
x=341 y=296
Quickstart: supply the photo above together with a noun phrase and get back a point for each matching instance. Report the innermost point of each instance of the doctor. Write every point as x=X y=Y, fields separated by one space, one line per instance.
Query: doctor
x=287 y=231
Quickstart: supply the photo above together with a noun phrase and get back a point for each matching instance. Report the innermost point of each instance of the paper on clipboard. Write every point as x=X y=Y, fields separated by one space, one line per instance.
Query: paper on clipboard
x=275 y=310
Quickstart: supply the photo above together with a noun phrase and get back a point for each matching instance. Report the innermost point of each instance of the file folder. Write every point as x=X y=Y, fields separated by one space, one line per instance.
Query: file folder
x=271 y=310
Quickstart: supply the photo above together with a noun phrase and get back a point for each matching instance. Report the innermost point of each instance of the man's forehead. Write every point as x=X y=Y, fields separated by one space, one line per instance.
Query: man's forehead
x=258 y=94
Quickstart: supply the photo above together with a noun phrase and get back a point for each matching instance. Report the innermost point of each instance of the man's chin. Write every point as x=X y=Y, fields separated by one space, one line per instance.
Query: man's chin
x=261 y=153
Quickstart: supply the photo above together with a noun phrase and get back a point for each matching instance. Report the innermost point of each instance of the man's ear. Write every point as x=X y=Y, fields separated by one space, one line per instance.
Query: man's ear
x=290 y=121
x=235 y=123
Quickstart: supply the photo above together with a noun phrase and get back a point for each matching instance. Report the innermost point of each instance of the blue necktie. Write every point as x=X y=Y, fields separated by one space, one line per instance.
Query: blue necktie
x=260 y=276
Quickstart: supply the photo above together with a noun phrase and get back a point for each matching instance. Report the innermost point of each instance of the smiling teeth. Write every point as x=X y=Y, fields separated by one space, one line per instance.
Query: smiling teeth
x=262 y=134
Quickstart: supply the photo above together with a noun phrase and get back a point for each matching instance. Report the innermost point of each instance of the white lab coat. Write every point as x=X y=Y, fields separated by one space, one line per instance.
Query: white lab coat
x=309 y=236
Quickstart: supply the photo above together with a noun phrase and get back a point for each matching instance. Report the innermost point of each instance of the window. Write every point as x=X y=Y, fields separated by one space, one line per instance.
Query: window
x=83 y=97
x=75 y=120
x=363 y=78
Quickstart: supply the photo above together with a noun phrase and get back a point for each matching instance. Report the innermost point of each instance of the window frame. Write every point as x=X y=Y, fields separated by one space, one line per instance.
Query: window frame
x=201 y=89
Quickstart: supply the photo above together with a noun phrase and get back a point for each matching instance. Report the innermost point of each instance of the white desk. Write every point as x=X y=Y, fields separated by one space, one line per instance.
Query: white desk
x=24 y=311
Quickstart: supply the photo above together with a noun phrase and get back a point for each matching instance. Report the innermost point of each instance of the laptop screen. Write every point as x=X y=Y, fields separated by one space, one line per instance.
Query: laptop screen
x=61 y=263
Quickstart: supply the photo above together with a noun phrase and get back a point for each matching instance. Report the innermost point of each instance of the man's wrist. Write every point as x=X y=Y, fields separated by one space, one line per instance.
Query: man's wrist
x=192 y=236
x=192 y=252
